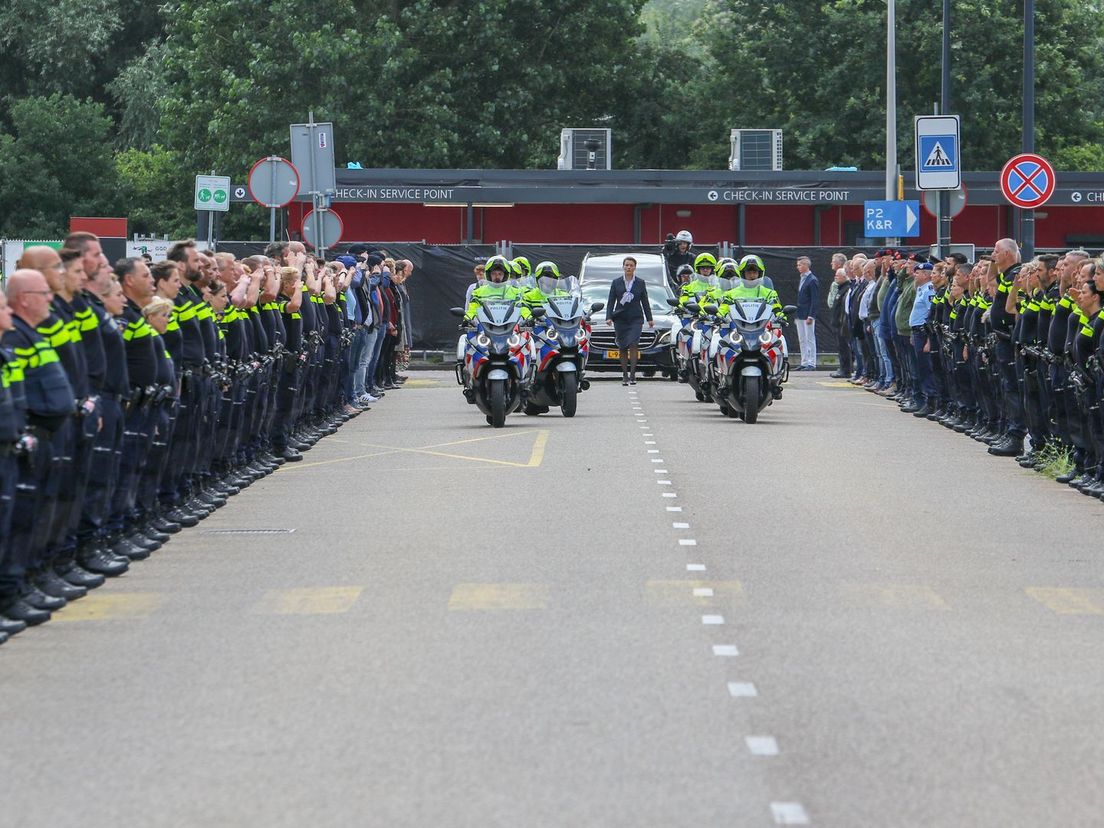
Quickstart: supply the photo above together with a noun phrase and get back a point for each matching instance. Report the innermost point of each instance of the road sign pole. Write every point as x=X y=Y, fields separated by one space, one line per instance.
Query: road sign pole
x=945 y=107
x=211 y=229
x=1027 y=217
x=891 y=104
x=272 y=210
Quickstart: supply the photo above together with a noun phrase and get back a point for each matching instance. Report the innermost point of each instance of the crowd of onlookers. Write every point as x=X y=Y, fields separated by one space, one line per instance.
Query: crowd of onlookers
x=137 y=397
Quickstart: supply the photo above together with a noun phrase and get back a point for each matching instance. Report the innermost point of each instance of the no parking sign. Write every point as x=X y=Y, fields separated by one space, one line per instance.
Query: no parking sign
x=1027 y=181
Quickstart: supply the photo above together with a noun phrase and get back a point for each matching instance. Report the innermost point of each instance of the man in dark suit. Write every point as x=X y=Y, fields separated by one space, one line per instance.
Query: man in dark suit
x=808 y=297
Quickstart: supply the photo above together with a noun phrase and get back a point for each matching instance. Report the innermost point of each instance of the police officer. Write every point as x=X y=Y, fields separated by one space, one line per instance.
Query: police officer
x=49 y=408
x=1006 y=255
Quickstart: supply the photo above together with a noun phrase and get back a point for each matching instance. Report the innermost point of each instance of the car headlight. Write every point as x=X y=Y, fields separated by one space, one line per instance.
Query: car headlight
x=664 y=338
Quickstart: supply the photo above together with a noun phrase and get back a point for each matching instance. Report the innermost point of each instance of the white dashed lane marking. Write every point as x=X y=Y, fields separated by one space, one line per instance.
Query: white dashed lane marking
x=674 y=508
x=725 y=650
x=712 y=620
x=789 y=813
x=669 y=494
x=695 y=567
x=742 y=690
x=703 y=592
x=762 y=745
x=680 y=525
x=687 y=542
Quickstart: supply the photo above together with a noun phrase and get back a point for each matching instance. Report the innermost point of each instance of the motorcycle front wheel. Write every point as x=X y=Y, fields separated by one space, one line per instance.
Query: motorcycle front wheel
x=751 y=395
x=569 y=395
x=498 y=403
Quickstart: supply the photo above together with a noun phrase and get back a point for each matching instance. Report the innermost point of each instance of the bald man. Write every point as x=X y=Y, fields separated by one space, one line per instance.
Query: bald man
x=50 y=409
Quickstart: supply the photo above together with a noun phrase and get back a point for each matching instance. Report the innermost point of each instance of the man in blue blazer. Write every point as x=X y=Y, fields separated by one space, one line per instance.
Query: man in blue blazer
x=808 y=297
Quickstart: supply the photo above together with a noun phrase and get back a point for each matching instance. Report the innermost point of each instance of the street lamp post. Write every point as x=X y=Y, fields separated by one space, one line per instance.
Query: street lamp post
x=891 y=105
x=945 y=109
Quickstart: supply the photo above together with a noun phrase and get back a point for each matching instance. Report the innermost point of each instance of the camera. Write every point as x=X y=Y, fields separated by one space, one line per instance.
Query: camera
x=670 y=245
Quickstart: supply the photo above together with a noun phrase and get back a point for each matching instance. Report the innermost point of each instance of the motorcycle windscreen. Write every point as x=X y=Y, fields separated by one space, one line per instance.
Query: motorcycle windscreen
x=498 y=316
x=563 y=308
x=750 y=313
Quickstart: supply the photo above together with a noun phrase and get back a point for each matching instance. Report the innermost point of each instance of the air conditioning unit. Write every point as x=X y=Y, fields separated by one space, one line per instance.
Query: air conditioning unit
x=756 y=150
x=585 y=149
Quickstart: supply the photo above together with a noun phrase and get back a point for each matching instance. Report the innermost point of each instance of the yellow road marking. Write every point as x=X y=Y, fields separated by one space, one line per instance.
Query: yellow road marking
x=838 y=384
x=535 y=458
x=893 y=596
x=498 y=596
x=308 y=601
x=1069 y=601
x=423 y=383
x=681 y=593
x=110 y=607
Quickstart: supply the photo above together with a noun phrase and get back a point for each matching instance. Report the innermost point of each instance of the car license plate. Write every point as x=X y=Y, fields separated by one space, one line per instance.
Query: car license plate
x=614 y=354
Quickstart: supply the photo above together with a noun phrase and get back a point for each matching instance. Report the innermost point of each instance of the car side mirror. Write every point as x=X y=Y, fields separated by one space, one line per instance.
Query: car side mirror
x=789 y=310
x=456 y=311
x=597 y=306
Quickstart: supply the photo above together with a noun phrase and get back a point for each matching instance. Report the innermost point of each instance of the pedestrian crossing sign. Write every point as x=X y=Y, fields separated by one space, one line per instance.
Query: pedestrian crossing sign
x=938 y=153
x=938 y=160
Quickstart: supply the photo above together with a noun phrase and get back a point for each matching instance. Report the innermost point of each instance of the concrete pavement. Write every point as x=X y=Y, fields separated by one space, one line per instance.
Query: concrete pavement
x=647 y=615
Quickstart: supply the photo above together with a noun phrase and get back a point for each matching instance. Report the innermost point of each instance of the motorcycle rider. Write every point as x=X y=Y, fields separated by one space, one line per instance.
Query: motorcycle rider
x=497 y=271
x=751 y=270
x=684 y=275
x=676 y=251
x=521 y=267
x=700 y=285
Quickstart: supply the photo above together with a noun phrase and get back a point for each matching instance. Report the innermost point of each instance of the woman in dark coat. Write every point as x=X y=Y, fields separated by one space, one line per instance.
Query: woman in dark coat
x=626 y=310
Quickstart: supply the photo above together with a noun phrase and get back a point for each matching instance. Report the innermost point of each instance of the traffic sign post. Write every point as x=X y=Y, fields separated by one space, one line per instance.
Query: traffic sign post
x=312 y=153
x=322 y=229
x=212 y=195
x=956 y=201
x=939 y=163
x=273 y=183
x=1028 y=181
x=891 y=219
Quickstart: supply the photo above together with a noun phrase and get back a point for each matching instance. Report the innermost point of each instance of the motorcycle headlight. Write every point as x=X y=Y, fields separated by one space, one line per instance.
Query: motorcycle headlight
x=552 y=333
x=766 y=338
x=482 y=340
x=514 y=341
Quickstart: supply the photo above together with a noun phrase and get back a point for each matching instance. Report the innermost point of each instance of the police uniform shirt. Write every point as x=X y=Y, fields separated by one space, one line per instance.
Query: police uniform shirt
x=205 y=316
x=1058 y=333
x=185 y=308
x=293 y=325
x=49 y=396
x=232 y=327
x=273 y=322
x=306 y=310
x=63 y=334
x=258 y=337
x=1048 y=302
x=12 y=401
x=90 y=317
x=141 y=352
x=999 y=317
x=117 y=378
x=166 y=373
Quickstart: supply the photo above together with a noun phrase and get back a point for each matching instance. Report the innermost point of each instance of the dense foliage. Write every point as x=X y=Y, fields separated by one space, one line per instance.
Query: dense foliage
x=111 y=106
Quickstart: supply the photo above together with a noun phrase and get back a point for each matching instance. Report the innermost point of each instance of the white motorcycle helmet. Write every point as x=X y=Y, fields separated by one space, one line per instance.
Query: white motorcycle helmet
x=684 y=236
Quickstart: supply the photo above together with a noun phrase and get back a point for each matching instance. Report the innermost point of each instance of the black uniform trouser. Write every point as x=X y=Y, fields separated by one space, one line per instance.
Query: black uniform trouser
x=287 y=400
x=1034 y=401
x=103 y=471
x=1011 y=399
x=137 y=427
x=1059 y=402
x=843 y=337
x=152 y=472
x=9 y=479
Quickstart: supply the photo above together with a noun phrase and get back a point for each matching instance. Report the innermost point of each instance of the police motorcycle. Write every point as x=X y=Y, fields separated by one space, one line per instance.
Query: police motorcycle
x=494 y=361
x=747 y=355
x=561 y=340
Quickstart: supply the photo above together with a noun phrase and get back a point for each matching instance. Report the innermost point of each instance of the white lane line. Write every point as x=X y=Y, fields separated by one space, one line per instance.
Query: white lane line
x=713 y=621
x=655 y=459
x=644 y=427
x=664 y=482
x=649 y=442
x=703 y=592
x=669 y=494
x=695 y=567
x=649 y=435
x=660 y=471
x=725 y=650
x=742 y=690
x=653 y=451
x=762 y=745
x=674 y=508
x=789 y=813
x=680 y=525
x=687 y=542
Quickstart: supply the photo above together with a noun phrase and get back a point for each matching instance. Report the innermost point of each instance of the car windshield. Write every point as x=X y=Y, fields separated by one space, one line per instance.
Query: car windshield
x=607 y=268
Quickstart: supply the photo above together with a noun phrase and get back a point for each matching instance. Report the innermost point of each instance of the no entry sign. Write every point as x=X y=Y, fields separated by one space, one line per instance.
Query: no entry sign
x=1027 y=181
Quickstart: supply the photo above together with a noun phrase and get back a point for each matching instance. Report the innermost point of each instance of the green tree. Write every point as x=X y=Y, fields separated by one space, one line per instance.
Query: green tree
x=56 y=163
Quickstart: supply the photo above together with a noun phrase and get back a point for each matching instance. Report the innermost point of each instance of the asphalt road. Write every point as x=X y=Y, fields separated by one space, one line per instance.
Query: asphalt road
x=647 y=615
